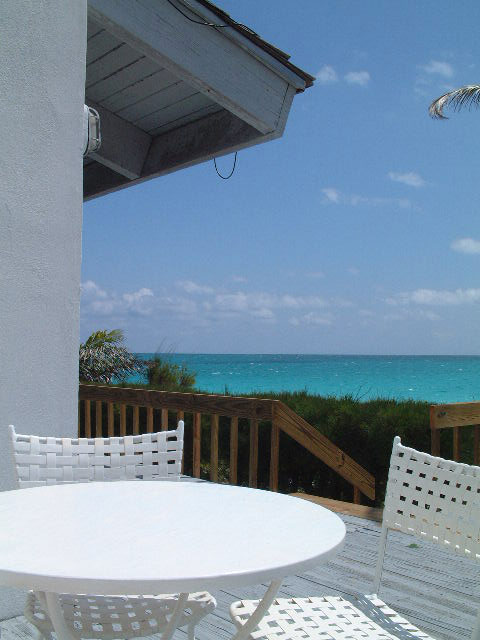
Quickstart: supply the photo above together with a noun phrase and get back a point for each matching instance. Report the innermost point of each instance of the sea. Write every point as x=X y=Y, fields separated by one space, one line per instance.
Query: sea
x=435 y=379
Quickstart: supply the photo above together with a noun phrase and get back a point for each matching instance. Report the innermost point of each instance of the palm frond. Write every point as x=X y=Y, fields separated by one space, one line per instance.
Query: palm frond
x=103 y=357
x=468 y=96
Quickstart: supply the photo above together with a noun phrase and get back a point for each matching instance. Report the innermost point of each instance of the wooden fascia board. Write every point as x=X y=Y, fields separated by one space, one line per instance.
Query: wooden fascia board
x=269 y=61
x=202 y=56
x=124 y=146
x=211 y=137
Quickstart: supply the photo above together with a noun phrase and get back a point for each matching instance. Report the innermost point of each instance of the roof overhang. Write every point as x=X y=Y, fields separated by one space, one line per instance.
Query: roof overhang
x=172 y=93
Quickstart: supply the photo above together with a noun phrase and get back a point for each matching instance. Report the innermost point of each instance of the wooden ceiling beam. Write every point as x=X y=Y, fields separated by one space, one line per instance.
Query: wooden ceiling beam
x=124 y=146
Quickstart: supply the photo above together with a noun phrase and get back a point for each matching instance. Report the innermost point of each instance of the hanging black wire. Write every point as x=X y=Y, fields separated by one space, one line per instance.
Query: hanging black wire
x=208 y=24
x=231 y=172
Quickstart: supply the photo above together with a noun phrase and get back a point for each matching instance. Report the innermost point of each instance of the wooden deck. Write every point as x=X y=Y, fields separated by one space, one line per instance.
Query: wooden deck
x=435 y=590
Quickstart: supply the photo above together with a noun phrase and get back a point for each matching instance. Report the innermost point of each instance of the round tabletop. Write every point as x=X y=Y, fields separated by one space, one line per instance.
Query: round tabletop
x=158 y=537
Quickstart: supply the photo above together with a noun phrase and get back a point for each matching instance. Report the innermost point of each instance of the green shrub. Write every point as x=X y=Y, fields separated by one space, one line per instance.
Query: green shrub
x=362 y=429
x=167 y=376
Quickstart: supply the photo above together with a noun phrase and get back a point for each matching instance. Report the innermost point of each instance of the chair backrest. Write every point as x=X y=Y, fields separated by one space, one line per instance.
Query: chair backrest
x=433 y=499
x=51 y=460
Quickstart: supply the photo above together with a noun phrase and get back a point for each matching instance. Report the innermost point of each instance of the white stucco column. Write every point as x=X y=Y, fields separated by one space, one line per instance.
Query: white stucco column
x=42 y=80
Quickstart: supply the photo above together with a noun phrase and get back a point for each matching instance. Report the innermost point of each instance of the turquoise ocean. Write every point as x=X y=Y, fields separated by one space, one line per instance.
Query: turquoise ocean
x=435 y=379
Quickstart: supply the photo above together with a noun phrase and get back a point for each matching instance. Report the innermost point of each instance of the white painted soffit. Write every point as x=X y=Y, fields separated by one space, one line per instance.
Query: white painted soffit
x=240 y=94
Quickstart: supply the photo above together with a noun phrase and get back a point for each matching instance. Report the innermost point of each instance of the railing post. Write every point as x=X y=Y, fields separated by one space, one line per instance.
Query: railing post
x=357 y=496
x=253 y=463
x=274 y=455
x=149 y=419
x=164 y=419
x=234 y=450
x=214 y=448
x=197 y=434
x=110 y=420
x=434 y=432
x=88 y=420
x=456 y=443
x=98 y=419
x=136 y=420
x=123 y=419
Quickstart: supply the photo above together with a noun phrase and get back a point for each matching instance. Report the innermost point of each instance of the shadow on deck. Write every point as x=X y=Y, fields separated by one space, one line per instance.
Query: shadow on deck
x=432 y=588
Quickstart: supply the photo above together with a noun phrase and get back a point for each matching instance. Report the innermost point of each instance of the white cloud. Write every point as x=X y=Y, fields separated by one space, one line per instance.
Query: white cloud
x=435 y=297
x=263 y=314
x=312 y=318
x=327 y=75
x=466 y=245
x=204 y=305
x=410 y=178
x=139 y=301
x=241 y=302
x=96 y=301
x=91 y=290
x=192 y=287
x=334 y=196
x=361 y=78
x=177 y=305
x=438 y=67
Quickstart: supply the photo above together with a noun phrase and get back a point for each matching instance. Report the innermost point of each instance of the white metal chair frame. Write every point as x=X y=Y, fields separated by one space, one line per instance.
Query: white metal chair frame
x=152 y=456
x=428 y=497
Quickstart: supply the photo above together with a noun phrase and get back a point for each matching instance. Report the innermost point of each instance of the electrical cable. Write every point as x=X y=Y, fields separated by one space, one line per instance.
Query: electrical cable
x=218 y=26
x=208 y=24
x=231 y=172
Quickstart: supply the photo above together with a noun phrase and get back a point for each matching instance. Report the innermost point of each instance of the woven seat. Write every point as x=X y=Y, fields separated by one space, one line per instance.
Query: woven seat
x=119 y=616
x=327 y=618
x=43 y=461
x=428 y=497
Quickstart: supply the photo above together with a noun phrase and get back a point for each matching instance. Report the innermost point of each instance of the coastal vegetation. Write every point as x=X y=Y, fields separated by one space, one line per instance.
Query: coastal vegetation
x=364 y=429
x=168 y=376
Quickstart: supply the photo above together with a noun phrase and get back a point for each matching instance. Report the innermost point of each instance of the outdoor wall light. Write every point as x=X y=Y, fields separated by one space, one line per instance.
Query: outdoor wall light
x=92 y=138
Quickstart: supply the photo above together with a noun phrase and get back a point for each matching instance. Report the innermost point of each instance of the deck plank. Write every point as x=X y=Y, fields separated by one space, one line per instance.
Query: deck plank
x=435 y=590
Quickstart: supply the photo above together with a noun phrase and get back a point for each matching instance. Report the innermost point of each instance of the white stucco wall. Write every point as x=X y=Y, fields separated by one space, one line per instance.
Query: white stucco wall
x=42 y=79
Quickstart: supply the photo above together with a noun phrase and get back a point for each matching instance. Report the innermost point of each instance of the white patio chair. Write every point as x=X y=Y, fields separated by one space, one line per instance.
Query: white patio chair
x=428 y=497
x=150 y=456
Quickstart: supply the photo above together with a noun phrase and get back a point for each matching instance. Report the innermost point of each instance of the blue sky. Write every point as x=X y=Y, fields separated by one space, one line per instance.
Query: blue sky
x=357 y=232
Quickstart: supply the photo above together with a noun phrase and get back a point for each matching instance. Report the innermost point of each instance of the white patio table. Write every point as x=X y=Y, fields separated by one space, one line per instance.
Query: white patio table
x=110 y=538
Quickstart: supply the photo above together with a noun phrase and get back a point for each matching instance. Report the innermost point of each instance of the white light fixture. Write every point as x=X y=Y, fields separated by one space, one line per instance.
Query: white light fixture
x=92 y=138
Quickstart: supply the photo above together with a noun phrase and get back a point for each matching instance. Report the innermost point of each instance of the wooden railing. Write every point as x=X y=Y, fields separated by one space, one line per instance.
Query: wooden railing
x=455 y=416
x=162 y=405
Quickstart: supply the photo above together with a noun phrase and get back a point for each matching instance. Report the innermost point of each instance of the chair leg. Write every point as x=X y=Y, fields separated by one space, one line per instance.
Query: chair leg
x=38 y=635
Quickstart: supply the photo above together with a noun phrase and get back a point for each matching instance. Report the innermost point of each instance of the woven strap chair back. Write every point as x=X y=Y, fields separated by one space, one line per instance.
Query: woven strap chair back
x=50 y=460
x=434 y=499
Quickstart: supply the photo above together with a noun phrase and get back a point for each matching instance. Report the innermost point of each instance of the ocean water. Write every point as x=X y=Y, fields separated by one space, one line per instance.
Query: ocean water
x=435 y=379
